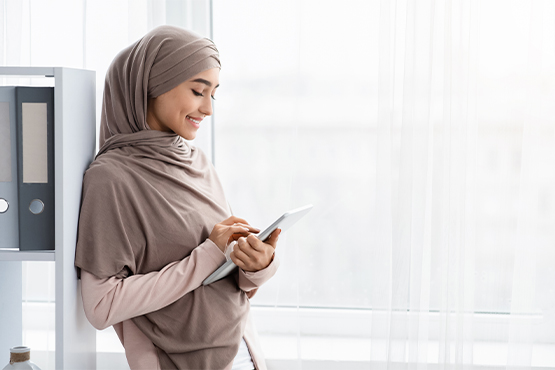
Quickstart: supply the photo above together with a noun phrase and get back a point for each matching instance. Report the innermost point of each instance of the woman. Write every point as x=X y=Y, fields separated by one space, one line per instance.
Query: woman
x=154 y=221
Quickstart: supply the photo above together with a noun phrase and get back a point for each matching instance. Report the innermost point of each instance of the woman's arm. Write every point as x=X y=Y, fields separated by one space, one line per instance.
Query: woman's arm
x=249 y=282
x=111 y=300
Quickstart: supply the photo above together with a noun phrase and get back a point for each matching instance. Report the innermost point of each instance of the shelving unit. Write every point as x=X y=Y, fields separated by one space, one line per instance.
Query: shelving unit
x=74 y=142
x=16 y=255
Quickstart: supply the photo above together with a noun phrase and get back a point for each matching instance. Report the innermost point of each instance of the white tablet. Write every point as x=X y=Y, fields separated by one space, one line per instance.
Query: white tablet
x=284 y=222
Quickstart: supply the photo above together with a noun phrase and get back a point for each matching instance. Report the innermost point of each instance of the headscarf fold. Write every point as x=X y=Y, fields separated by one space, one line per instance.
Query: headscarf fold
x=150 y=198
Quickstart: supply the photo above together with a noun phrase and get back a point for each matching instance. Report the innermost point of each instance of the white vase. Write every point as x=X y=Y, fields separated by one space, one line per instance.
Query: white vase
x=22 y=355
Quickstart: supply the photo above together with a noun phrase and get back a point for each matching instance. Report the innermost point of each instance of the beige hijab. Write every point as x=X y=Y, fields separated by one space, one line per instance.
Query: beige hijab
x=150 y=198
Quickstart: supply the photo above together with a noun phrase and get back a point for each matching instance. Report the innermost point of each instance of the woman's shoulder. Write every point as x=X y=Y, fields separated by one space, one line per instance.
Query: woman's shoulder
x=106 y=170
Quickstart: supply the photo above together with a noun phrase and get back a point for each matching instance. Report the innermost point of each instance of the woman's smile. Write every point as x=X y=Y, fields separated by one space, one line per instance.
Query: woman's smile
x=195 y=121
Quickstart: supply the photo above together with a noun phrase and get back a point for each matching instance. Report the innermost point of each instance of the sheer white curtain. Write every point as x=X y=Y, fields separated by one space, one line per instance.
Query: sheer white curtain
x=423 y=132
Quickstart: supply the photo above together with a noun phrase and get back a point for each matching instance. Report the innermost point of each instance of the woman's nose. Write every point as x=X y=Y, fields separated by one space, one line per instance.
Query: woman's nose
x=206 y=106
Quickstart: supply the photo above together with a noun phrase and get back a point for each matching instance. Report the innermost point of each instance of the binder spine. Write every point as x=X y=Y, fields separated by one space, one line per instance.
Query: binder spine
x=9 y=205
x=35 y=158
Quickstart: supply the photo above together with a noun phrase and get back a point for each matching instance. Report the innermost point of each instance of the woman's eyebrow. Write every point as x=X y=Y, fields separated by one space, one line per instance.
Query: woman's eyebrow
x=206 y=82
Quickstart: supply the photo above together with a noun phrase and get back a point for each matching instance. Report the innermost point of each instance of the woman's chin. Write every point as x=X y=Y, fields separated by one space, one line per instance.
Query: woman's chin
x=188 y=135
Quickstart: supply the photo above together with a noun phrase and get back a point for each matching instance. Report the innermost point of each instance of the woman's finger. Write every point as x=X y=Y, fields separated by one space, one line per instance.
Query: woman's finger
x=234 y=233
x=244 y=249
x=241 y=255
x=272 y=240
x=255 y=243
x=237 y=230
x=233 y=220
x=237 y=260
x=251 y=228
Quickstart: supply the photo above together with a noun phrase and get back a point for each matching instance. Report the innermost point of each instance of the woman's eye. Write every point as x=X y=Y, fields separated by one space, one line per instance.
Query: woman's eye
x=199 y=94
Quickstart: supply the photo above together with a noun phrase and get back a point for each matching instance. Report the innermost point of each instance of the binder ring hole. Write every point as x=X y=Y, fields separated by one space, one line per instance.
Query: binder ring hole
x=36 y=206
x=4 y=205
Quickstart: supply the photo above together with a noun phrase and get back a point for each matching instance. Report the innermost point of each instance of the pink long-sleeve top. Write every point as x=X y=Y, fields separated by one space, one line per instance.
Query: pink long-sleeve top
x=114 y=301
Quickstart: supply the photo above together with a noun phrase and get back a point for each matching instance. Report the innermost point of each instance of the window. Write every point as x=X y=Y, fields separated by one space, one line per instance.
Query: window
x=298 y=121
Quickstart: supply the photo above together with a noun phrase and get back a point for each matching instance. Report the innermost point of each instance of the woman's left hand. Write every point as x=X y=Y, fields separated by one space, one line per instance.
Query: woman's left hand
x=251 y=254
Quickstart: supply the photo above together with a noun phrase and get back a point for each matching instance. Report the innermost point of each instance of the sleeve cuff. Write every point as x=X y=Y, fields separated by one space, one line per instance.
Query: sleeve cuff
x=214 y=252
x=253 y=280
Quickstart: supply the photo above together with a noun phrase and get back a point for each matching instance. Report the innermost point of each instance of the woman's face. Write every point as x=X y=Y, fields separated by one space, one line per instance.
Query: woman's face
x=182 y=109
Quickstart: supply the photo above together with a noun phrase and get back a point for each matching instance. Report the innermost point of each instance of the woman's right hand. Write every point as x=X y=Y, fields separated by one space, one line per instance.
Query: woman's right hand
x=230 y=229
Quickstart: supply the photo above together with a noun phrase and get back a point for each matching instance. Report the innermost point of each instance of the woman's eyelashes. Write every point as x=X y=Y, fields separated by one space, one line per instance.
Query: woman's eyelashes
x=200 y=94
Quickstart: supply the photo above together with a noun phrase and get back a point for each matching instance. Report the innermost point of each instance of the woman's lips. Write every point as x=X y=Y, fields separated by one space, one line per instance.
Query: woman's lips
x=195 y=124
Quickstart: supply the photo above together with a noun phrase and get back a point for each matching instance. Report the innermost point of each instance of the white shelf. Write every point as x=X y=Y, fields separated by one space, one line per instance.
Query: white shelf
x=27 y=71
x=17 y=255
